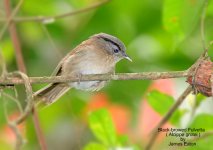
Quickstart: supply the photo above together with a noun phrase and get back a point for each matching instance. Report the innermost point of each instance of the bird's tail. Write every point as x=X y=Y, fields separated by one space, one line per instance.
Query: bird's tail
x=50 y=93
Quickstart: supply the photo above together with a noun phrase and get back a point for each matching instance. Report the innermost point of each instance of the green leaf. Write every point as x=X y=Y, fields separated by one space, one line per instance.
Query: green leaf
x=203 y=121
x=180 y=17
x=102 y=126
x=162 y=103
x=95 y=146
x=159 y=101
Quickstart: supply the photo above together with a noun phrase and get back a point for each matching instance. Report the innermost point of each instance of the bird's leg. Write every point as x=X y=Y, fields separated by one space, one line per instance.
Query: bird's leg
x=79 y=76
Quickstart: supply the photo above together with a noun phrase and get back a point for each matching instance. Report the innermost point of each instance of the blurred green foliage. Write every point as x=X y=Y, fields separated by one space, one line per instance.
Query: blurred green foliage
x=180 y=17
x=159 y=36
x=162 y=103
x=102 y=126
x=206 y=121
x=203 y=120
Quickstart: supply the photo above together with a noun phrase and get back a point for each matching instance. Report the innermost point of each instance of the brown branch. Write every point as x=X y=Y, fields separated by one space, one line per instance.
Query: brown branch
x=12 y=124
x=30 y=101
x=21 y=66
x=14 y=37
x=47 y=19
x=100 y=77
x=9 y=18
x=167 y=117
x=29 y=108
x=39 y=131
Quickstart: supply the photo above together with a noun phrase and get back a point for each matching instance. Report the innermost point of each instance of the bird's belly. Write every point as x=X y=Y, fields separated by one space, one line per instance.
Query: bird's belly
x=90 y=85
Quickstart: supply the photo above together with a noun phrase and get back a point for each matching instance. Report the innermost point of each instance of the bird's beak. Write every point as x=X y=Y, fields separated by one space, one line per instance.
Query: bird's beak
x=127 y=57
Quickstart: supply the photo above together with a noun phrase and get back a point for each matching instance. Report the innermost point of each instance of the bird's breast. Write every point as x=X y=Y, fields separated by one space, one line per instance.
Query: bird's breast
x=91 y=64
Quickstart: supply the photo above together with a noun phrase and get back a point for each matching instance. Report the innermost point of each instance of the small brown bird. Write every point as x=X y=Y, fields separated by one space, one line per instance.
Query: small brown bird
x=97 y=55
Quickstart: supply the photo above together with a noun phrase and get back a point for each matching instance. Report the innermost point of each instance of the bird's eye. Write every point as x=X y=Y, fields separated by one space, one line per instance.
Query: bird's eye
x=116 y=50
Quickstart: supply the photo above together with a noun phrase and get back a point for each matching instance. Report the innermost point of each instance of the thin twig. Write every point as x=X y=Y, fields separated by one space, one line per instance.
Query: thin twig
x=14 y=36
x=46 y=32
x=202 y=31
x=16 y=97
x=29 y=108
x=39 y=133
x=100 y=77
x=10 y=18
x=47 y=19
x=29 y=98
x=204 y=135
x=2 y=65
x=19 y=139
x=20 y=62
x=14 y=100
x=12 y=125
x=167 y=117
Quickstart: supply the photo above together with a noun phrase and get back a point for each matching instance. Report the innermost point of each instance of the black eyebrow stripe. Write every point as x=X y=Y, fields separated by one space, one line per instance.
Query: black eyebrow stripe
x=112 y=42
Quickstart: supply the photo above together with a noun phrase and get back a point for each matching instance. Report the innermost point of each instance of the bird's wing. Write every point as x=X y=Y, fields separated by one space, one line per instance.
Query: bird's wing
x=74 y=54
x=58 y=69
